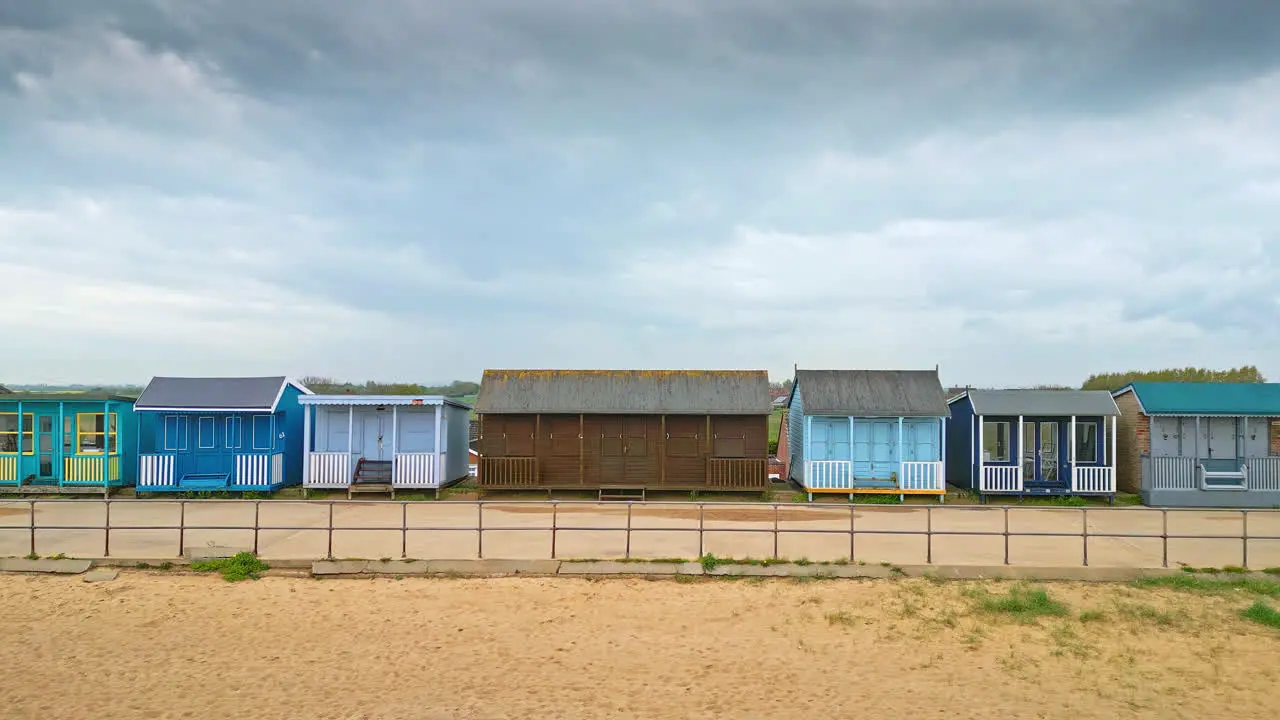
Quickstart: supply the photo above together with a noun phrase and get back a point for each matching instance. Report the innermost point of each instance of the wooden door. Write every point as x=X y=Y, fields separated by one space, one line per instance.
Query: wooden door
x=684 y=452
x=641 y=470
x=613 y=456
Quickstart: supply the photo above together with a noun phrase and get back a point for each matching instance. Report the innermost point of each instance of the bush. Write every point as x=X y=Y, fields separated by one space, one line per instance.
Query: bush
x=241 y=566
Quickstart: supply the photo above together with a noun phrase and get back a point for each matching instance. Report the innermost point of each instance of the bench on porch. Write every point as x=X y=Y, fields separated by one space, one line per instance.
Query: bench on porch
x=205 y=481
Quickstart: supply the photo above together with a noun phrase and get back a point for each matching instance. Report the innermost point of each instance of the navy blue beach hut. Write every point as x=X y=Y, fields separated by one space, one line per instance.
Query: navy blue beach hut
x=232 y=434
x=1033 y=442
x=868 y=431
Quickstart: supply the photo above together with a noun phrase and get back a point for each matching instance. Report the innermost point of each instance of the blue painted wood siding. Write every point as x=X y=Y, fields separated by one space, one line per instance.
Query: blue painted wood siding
x=961 y=445
x=60 y=418
x=795 y=436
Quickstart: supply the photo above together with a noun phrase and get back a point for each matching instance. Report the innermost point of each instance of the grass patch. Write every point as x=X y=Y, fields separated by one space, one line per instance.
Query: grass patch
x=241 y=566
x=32 y=556
x=1146 y=613
x=1089 y=616
x=1024 y=603
x=874 y=499
x=1056 y=501
x=841 y=618
x=1263 y=614
x=1212 y=586
x=1272 y=571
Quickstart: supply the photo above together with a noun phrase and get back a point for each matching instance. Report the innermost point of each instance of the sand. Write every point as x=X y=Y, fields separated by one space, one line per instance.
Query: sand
x=161 y=645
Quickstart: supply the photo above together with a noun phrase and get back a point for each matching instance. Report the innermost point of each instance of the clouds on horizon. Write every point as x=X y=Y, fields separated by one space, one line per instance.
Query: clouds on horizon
x=1021 y=192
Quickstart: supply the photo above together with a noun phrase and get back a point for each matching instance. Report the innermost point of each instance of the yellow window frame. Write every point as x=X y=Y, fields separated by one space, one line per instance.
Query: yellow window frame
x=111 y=432
x=28 y=432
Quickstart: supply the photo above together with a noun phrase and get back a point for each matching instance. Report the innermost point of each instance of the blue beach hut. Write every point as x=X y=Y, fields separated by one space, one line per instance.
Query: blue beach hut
x=234 y=434
x=868 y=431
x=66 y=442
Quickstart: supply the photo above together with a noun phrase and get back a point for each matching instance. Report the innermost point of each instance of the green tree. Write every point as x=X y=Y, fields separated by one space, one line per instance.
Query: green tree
x=1117 y=380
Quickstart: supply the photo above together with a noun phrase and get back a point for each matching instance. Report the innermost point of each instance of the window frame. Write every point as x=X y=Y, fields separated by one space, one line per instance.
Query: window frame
x=234 y=421
x=22 y=431
x=179 y=432
x=253 y=428
x=1008 y=444
x=1093 y=459
x=110 y=433
x=213 y=432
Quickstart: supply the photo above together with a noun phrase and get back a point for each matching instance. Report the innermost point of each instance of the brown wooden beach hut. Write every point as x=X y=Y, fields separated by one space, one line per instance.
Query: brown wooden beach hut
x=624 y=429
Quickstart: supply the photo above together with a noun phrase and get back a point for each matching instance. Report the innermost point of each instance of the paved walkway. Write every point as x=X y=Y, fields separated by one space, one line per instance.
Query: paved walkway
x=450 y=530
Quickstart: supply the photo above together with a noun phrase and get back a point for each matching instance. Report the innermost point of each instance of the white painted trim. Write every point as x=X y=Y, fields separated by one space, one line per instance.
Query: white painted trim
x=195 y=410
x=1115 y=431
x=982 y=460
x=402 y=400
x=307 y=444
x=214 y=420
x=439 y=463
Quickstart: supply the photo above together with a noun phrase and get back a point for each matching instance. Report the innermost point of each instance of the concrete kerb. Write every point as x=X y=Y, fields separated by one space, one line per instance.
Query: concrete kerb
x=67 y=566
x=616 y=567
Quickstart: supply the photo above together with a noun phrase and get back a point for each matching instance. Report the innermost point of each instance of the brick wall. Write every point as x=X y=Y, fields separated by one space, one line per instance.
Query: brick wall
x=1134 y=442
x=1275 y=436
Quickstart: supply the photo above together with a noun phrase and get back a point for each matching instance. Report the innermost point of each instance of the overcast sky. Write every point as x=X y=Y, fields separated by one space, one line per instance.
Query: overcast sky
x=1019 y=191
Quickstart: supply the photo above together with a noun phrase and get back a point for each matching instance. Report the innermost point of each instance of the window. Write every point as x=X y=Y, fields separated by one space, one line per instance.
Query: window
x=175 y=432
x=92 y=432
x=68 y=436
x=233 y=433
x=1087 y=442
x=995 y=441
x=9 y=433
x=205 y=439
x=262 y=432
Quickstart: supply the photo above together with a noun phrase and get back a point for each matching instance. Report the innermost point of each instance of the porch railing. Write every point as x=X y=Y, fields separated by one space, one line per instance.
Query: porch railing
x=1170 y=473
x=1001 y=478
x=259 y=469
x=1263 y=473
x=828 y=474
x=1093 y=479
x=508 y=472
x=155 y=470
x=328 y=470
x=737 y=473
x=415 y=470
x=922 y=476
x=9 y=468
x=90 y=469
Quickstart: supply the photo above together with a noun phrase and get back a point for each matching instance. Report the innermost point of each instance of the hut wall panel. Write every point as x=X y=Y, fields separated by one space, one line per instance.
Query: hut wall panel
x=558 y=450
x=686 y=464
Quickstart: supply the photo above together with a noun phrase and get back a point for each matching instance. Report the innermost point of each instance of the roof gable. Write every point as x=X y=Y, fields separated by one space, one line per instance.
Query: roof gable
x=1191 y=398
x=249 y=394
x=872 y=393
x=612 y=392
x=1041 y=402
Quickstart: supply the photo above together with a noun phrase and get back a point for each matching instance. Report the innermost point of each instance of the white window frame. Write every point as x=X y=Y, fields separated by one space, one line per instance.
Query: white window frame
x=234 y=421
x=1097 y=443
x=179 y=442
x=1008 y=440
x=254 y=431
x=213 y=432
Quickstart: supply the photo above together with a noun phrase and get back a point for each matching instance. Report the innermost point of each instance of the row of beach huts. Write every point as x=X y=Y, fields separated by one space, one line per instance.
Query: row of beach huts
x=626 y=432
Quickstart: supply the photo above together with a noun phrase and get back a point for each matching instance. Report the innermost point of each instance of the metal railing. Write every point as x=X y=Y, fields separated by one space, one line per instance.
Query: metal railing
x=773 y=525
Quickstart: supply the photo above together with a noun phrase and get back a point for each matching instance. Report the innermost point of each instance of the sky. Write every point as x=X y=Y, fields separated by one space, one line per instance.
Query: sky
x=1016 y=191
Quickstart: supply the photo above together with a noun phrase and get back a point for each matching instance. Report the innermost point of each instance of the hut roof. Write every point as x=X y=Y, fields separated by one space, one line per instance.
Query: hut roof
x=614 y=392
x=247 y=394
x=1041 y=402
x=1189 y=398
x=872 y=393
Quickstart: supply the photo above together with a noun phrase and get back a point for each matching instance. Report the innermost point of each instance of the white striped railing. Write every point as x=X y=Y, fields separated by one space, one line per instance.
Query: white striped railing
x=1001 y=478
x=90 y=469
x=415 y=470
x=828 y=475
x=155 y=470
x=927 y=476
x=328 y=469
x=1093 y=479
x=8 y=468
x=258 y=469
x=1263 y=473
x=1170 y=473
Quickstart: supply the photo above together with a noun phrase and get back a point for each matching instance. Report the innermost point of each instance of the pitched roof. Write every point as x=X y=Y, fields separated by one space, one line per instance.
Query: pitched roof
x=1041 y=402
x=872 y=393
x=5 y=391
x=646 y=392
x=252 y=394
x=1191 y=398
x=64 y=396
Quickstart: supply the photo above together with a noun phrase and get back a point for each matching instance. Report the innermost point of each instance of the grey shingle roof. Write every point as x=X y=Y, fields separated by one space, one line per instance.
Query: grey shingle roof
x=1043 y=402
x=675 y=392
x=872 y=393
x=242 y=393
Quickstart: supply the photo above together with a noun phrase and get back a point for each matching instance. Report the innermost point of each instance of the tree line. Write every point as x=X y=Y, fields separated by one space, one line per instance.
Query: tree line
x=1117 y=380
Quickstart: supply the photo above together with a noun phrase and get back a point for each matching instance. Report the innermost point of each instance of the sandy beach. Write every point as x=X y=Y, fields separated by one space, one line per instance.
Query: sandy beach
x=161 y=645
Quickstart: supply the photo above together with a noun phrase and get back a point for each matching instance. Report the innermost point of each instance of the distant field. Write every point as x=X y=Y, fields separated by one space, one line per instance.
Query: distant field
x=775 y=420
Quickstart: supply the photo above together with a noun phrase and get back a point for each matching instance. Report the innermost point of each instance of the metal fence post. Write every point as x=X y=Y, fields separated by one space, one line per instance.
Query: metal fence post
x=852 y=532
x=257 y=508
x=1244 y=538
x=701 y=545
x=329 y=555
x=554 y=506
x=1164 y=537
x=1084 y=521
x=775 y=531
x=33 y=526
x=182 y=527
x=627 y=554
x=480 y=529
x=404 y=529
x=106 y=534
x=928 y=534
x=1006 y=535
